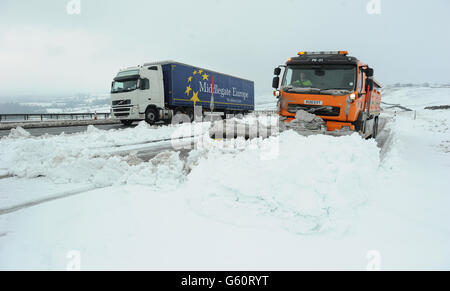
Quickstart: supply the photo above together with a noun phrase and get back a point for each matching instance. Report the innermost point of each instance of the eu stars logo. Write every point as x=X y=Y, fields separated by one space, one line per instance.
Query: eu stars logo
x=202 y=76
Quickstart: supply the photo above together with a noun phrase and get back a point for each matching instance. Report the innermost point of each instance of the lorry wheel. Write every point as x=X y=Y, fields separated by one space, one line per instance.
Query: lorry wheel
x=180 y=117
x=127 y=122
x=190 y=113
x=151 y=116
x=375 y=128
x=178 y=111
x=359 y=123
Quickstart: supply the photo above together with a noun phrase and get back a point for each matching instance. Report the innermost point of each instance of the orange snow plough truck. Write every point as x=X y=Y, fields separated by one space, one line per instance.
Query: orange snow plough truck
x=336 y=87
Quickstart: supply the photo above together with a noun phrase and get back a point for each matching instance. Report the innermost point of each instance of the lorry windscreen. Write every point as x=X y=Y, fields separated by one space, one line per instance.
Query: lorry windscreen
x=124 y=86
x=319 y=77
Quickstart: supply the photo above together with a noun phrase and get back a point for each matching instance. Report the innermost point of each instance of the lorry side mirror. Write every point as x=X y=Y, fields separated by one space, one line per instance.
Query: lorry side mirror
x=276 y=82
x=369 y=72
x=277 y=71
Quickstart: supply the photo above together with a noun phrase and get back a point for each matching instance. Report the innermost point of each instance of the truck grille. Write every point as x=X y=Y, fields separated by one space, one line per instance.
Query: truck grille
x=121 y=109
x=121 y=102
x=323 y=111
x=121 y=112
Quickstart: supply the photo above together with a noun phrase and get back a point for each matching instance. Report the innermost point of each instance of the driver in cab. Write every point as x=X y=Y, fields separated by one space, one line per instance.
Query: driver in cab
x=303 y=82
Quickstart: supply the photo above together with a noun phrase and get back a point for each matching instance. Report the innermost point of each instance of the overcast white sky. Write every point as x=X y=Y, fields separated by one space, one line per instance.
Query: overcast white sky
x=43 y=50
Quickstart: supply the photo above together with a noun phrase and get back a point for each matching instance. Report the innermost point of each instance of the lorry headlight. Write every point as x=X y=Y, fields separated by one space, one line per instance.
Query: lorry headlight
x=353 y=97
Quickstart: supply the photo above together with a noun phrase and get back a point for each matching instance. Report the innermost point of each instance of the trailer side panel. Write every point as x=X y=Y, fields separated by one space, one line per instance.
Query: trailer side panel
x=189 y=86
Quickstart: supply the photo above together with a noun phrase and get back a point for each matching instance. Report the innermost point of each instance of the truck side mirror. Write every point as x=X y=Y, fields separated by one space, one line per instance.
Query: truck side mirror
x=369 y=72
x=276 y=82
x=277 y=71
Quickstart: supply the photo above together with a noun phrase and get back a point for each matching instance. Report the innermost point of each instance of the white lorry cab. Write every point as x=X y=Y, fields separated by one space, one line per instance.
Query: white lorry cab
x=134 y=90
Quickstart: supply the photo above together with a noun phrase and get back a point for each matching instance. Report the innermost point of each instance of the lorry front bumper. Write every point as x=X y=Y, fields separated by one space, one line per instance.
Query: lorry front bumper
x=127 y=113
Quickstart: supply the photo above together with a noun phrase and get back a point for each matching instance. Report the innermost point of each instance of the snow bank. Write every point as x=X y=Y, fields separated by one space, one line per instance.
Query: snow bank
x=19 y=132
x=236 y=181
x=86 y=157
x=310 y=186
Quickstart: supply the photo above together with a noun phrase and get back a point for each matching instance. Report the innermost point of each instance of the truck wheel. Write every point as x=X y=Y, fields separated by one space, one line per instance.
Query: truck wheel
x=151 y=116
x=359 y=123
x=190 y=113
x=127 y=122
x=375 y=128
x=180 y=117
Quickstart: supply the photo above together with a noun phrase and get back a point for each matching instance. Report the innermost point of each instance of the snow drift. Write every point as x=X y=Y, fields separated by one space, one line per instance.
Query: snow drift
x=306 y=183
x=87 y=157
x=310 y=185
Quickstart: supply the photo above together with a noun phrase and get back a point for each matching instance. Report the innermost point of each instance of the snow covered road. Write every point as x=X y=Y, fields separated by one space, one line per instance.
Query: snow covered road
x=284 y=203
x=60 y=130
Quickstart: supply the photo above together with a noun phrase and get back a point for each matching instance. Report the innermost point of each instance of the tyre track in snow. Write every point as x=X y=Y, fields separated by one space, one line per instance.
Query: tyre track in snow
x=144 y=153
x=32 y=203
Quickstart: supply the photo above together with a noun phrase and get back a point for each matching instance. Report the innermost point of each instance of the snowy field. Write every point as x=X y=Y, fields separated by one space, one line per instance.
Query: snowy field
x=284 y=203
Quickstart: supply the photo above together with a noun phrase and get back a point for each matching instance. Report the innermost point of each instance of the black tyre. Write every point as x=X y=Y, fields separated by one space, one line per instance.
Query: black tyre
x=375 y=128
x=359 y=123
x=127 y=122
x=180 y=117
x=190 y=113
x=151 y=115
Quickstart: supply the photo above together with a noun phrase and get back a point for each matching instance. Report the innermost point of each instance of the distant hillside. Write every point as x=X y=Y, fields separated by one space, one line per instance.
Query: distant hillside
x=80 y=103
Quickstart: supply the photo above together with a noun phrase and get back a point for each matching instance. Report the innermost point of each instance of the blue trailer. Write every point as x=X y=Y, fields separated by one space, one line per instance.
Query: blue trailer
x=158 y=91
x=189 y=86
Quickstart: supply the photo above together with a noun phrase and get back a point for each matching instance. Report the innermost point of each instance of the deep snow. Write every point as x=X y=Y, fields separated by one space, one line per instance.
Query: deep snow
x=284 y=203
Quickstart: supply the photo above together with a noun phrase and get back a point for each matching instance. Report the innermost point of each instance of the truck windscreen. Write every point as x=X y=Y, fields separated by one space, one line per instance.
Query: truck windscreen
x=322 y=77
x=124 y=86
